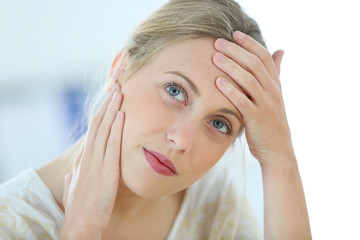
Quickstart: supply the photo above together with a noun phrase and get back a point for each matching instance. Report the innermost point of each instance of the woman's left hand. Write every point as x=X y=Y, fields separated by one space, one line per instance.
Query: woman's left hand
x=256 y=93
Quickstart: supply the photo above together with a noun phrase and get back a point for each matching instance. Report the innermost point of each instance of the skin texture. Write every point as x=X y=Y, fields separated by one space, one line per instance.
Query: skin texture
x=184 y=132
x=267 y=132
x=242 y=78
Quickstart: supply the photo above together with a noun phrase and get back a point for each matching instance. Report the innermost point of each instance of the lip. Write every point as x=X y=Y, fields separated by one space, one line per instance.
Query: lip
x=159 y=163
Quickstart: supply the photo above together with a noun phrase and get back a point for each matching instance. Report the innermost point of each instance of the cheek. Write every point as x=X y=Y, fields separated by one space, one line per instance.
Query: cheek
x=205 y=155
x=145 y=113
x=211 y=155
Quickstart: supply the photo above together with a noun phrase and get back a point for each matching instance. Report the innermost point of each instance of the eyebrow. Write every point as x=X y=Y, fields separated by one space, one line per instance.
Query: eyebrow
x=225 y=110
x=196 y=91
x=192 y=85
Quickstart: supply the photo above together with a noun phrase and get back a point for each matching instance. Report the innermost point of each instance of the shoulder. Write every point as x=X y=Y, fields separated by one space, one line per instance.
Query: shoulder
x=27 y=209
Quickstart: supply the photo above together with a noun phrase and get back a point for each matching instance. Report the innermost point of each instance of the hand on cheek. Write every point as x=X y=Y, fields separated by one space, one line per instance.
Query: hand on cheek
x=91 y=187
x=260 y=102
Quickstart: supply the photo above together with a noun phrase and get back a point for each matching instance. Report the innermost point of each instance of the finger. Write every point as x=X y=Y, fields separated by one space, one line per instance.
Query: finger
x=113 y=150
x=67 y=181
x=258 y=50
x=77 y=160
x=94 y=125
x=104 y=130
x=246 y=60
x=242 y=103
x=117 y=69
x=277 y=57
x=241 y=77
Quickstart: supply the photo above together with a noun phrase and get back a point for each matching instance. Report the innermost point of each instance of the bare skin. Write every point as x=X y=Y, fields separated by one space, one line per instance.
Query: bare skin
x=120 y=225
x=247 y=77
x=261 y=104
x=53 y=175
x=124 y=215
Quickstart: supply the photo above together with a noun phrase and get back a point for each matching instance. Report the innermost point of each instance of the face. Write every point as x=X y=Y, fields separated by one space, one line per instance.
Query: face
x=174 y=110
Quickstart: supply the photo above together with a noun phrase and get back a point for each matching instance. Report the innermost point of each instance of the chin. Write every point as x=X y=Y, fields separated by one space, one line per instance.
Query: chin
x=149 y=185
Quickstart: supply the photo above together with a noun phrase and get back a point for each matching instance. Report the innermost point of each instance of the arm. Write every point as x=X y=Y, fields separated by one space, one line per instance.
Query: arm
x=256 y=92
x=285 y=213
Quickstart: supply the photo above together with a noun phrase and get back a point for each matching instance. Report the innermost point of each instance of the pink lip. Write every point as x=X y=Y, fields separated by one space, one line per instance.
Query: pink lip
x=159 y=163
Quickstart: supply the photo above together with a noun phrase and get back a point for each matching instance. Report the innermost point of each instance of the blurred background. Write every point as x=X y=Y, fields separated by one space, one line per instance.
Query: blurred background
x=50 y=51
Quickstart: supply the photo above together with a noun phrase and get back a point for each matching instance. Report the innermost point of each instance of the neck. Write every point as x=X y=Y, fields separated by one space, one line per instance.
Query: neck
x=53 y=173
x=127 y=204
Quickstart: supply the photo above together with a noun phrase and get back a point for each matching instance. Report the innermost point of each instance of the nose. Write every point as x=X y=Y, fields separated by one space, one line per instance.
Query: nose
x=182 y=136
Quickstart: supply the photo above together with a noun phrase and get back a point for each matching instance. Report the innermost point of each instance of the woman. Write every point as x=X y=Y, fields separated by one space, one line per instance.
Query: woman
x=194 y=76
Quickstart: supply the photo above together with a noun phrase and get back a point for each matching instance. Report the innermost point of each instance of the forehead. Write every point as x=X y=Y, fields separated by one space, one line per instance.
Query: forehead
x=192 y=56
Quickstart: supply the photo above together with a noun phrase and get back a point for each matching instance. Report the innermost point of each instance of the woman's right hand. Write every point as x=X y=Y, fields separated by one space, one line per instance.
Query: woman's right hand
x=91 y=187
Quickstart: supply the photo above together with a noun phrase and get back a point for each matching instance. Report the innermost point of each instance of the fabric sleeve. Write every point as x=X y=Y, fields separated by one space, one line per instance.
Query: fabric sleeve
x=19 y=220
x=248 y=226
x=7 y=224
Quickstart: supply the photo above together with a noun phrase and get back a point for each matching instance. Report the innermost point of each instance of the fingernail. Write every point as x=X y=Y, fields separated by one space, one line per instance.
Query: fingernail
x=116 y=95
x=116 y=88
x=220 y=42
x=119 y=115
x=220 y=57
x=221 y=83
x=239 y=35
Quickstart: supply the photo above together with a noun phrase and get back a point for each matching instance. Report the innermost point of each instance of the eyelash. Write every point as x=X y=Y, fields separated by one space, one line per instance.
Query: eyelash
x=227 y=125
x=176 y=85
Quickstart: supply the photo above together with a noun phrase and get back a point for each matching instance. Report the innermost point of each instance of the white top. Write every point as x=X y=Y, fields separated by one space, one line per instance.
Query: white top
x=211 y=209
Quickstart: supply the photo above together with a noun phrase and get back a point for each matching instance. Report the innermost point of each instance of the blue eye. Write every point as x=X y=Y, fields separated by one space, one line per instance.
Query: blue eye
x=221 y=126
x=173 y=91
x=176 y=91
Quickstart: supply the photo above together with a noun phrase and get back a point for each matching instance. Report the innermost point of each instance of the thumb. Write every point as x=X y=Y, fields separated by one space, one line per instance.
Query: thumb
x=277 y=58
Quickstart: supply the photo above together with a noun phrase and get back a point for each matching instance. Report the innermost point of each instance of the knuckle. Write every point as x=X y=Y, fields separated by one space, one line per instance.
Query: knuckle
x=266 y=56
x=276 y=93
x=252 y=83
x=241 y=103
x=256 y=64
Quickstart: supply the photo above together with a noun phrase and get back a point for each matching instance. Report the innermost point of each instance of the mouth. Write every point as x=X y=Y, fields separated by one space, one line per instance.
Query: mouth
x=159 y=163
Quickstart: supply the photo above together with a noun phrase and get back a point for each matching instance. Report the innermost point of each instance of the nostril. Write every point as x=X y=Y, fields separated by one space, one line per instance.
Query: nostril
x=181 y=146
x=178 y=140
x=182 y=133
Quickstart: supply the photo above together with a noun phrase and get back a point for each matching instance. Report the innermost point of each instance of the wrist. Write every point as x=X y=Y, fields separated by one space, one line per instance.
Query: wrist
x=283 y=162
x=79 y=232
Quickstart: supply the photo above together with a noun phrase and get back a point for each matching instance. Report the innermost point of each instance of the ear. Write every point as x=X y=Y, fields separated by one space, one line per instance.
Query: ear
x=117 y=69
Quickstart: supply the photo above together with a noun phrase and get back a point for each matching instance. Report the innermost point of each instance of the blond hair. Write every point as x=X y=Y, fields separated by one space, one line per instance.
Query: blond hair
x=176 y=21
x=180 y=20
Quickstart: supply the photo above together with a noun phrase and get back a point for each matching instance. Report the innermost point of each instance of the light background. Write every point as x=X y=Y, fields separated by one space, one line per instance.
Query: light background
x=50 y=49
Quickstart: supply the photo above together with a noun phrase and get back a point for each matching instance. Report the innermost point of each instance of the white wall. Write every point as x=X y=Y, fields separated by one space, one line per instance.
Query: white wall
x=321 y=89
x=48 y=46
x=48 y=50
